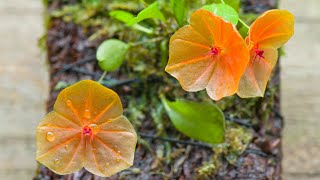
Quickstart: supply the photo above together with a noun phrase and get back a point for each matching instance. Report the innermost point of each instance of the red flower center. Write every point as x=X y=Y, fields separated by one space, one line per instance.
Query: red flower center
x=258 y=53
x=87 y=131
x=215 y=50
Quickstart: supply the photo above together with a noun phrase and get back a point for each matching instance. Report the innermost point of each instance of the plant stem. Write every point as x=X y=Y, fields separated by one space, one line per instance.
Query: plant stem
x=142 y=29
x=147 y=41
x=244 y=24
x=102 y=77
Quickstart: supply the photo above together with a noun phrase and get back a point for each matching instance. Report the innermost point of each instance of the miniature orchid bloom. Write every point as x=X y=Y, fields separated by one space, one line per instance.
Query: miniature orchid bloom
x=269 y=32
x=86 y=129
x=208 y=54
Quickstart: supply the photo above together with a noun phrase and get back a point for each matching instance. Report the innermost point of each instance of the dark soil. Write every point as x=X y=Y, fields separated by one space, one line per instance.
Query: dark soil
x=71 y=58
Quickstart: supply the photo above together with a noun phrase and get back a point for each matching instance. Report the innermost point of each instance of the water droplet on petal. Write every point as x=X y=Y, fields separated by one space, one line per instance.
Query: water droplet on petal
x=69 y=103
x=107 y=164
x=66 y=147
x=117 y=159
x=95 y=128
x=56 y=161
x=50 y=136
x=87 y=114
x=119 y=152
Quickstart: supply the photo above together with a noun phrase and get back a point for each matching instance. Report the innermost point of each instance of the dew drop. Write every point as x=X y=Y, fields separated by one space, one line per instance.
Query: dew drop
x=107 y=164
x=87 y=114
x=119 y=152
x=50 y=136
x=95 y=128
x=69 y=103
x=118 y=159
x=56 y=161
x=66 y=147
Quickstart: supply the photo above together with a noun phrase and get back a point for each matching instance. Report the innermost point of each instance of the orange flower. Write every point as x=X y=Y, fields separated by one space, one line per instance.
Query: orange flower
x=208 y=54
x=86 y=129
x=269 y=32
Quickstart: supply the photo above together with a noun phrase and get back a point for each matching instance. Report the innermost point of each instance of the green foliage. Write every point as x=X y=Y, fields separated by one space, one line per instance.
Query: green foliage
x=235 y=4
x=111 y=54
x=224 y=11
x=152 y=11
x=202 y=121
x=122 y=16
x=180 y=9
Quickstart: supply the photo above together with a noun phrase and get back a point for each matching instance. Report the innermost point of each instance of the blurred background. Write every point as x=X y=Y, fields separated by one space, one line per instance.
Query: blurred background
x=24 y=89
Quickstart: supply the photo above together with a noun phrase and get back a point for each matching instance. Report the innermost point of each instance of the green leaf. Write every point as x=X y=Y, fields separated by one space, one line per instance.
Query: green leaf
x=235 y=4
x=224 y=11
x=152 y=11
x=179 y=9
x=201 y=121
x=111 y=54
x=122 y=16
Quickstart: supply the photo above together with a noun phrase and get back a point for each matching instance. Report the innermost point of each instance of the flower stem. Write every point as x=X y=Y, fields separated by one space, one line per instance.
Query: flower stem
x=102 y=77
x=147 y=41
x=244 y=24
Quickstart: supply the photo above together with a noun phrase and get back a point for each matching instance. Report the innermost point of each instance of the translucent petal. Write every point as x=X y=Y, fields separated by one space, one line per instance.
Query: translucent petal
x=112 y=148
x=59 y=144
x=273 y=28
x=86 y=121
x=191 y=60
x=88 y=101
x=254 y=81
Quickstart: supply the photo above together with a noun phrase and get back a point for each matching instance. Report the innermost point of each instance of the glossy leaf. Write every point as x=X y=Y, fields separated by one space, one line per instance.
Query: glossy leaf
x=111 y=54
x=208 y=54
x=224 y=11
x=179 y=8
x=86 y=129
x=269 y=32
x=200 y=121
x=122 y=16
x=152 y=11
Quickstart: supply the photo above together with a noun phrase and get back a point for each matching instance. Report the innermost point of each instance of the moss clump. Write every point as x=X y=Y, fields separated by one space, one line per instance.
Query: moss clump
x=237 y=139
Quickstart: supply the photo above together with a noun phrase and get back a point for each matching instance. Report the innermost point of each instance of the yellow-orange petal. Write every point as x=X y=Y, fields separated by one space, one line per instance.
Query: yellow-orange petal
x=70 y=137
x=88 y=102
x=59 y=144
x=111 y=150
x=257 y=74
x=192 y=62
x=273 y=28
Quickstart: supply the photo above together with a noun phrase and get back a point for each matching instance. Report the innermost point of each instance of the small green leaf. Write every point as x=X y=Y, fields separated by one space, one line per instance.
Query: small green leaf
x=179 y=8
x=235 y=4
x=122 y=16
x=152 y=11
x=202 y=121
x=224 y=11
x=111 y=54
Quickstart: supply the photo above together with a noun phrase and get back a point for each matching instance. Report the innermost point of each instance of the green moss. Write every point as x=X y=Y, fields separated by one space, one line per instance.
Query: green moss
x=237 y=139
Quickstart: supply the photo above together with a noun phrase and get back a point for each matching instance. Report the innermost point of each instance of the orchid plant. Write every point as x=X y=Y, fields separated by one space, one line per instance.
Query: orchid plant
x=86 y=128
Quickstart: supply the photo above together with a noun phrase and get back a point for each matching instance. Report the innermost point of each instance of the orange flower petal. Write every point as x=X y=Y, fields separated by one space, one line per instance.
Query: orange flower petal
x=273 y=28
x=269 y=32
x=257 y=74
x=73 y=135
x=209 y=53
x=111 y=150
